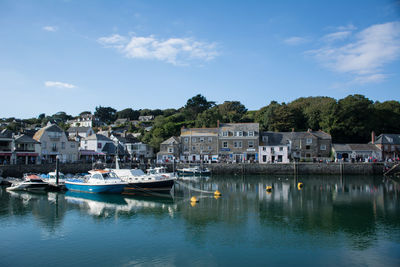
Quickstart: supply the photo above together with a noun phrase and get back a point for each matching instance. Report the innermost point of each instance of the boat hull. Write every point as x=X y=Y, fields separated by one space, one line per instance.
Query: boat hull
x=90 y=188
x=149 y=187
x=29 y=187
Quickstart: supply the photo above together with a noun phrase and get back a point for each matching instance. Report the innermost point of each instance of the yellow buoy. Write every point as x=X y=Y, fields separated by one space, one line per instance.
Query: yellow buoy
x=217 y=193
x=193 y=204
x=268 y=188
x=194 y=199
x=300 y=185
x=217 y=197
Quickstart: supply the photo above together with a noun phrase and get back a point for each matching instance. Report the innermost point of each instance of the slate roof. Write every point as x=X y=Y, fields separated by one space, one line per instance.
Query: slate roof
x=48 y=128
x=275 y=138
x=6 y=134
x=110 y=148
x=173 y=140
x=25 y=139
x=98 y=137
x=78 y=129
x=388 y=139
x=355 y=147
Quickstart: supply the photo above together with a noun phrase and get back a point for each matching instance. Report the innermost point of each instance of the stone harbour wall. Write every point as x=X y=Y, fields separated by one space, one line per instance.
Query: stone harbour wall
x=242 y=168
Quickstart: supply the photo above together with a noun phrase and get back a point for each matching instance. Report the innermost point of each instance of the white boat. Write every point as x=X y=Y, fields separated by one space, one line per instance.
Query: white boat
x=194 y=171
x=139 y=182
x=53 y=178
x=31 y=182
x=161 y=171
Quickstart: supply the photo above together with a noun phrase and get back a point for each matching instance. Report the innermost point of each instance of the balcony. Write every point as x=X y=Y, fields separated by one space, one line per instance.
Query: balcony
x=5 y=148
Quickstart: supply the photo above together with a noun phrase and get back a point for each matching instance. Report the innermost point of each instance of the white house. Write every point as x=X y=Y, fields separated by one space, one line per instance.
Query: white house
x=81 y=131
x=54 y=142
x=274 y=148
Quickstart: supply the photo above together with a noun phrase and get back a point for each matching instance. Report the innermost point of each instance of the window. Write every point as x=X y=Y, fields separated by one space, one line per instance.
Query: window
x=202 y=139
x=308 y=147
x=239 y=133
x=323 y=147
x=98 y=145
x=281 y=148
x=62 y=145
x=237 y=144
x=72 y=145
x=264 y=158
x=309 y=141
x=186 y=139
x=272 y=150
x=185 y=148
x=224 y=133
x=193 y=148
x=85 y=142
x=54 y=147
x=170 y=150
x=225 y=144
x=264 y=148
x=194 y=140
x=251 y=133
x=251 y=144
x=209 y=139
x=209 y=147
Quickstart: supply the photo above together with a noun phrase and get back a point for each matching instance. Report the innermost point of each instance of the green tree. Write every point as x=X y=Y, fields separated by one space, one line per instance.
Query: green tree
x=128 y=113
x=105 y=114
x=232 y=111
x=196 y=105
x=208 y=118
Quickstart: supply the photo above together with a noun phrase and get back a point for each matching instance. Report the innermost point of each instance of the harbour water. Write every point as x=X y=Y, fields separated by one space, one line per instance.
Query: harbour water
x=331 y=221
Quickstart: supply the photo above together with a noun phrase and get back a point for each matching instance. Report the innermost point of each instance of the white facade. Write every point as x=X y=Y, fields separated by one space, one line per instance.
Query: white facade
x=274 y=154
x=95 y=142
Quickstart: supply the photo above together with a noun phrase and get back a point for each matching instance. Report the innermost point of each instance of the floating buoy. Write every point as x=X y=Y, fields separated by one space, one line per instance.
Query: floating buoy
x=217 y=193
x=193 y=204
x=194 y=200
x=300 y=185
x=217 y=196
x=268 y=188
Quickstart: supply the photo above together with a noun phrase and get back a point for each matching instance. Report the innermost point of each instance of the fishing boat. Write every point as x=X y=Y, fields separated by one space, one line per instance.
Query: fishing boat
x=161 y=171
x=98 y=181
x=194 y=171
x=140 y=182
x=31 y=182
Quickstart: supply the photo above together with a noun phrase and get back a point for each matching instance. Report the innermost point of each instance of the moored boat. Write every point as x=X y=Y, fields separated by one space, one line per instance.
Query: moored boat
x=98 y=181
x=139 y=182
x=31 y=182
x=194 y=171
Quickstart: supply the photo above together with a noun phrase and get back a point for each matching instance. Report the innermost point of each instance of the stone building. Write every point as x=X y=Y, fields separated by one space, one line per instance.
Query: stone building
x=389 y=145
x=238 y=142
x=169 y=149
x=6 y=143
x=199 y=144
x=310 y=145
x=54 y=142
x=356 y=152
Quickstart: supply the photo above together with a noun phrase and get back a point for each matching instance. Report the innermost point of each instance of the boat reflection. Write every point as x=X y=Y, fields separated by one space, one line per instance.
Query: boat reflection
x=119 y=205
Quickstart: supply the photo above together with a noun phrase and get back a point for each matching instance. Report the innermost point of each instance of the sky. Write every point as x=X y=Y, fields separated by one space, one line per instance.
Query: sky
x=73 y=55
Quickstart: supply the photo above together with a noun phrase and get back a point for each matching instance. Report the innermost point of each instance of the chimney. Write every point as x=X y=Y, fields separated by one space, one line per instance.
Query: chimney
x=217 y=123
x=292 y=130
x=373 y=137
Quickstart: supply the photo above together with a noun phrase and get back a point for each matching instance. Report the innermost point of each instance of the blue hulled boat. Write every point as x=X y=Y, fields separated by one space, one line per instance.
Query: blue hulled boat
x=98 y=181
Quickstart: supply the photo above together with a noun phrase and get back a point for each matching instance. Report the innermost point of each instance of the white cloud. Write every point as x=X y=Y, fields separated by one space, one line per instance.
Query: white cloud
x=50 y=28
x=59 y=85
x=177 y=51
x=295 y=40
x=336 y=36
x=365 y=55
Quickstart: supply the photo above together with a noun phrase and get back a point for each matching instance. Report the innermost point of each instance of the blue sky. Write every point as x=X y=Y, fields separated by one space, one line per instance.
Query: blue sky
x=75 y=55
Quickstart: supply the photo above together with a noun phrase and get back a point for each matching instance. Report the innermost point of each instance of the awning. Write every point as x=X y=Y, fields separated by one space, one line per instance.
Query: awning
x=5 y=154
x=27 y=154
x=90 y=153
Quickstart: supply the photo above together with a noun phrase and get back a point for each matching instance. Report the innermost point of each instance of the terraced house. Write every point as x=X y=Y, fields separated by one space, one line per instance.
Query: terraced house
x=238 y=142
x=199 y=144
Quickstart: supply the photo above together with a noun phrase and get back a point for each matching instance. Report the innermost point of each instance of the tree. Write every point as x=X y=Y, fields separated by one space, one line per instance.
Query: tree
x=83 y=113
x=41 y=116
x=105 y=114
x=208 y=118
x=197 y=105
x=352 y=120
x=232 y=111
x=128 y=113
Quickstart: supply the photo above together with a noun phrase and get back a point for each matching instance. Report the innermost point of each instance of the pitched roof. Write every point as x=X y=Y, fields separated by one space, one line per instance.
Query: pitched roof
x=275 y=138
x=98 y=137
x=389 y=139
x=25 y=139
x=78 y=129
x=110 y=148
x=48 y=128
x=355 y=147
x=171 y=140
x=6 y=134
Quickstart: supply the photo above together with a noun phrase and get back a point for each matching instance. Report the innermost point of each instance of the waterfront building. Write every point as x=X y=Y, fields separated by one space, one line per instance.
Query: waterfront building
x=238 y=142
x=26 y=150
x=199 y=144
x=133 y=147
x=80 y=131
x=6 y=142
x=310 y=145
x=86 y=120
x=169 y=149
x=54 y=142
x=274 y=147
x=389 y=145
x=356 y=152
